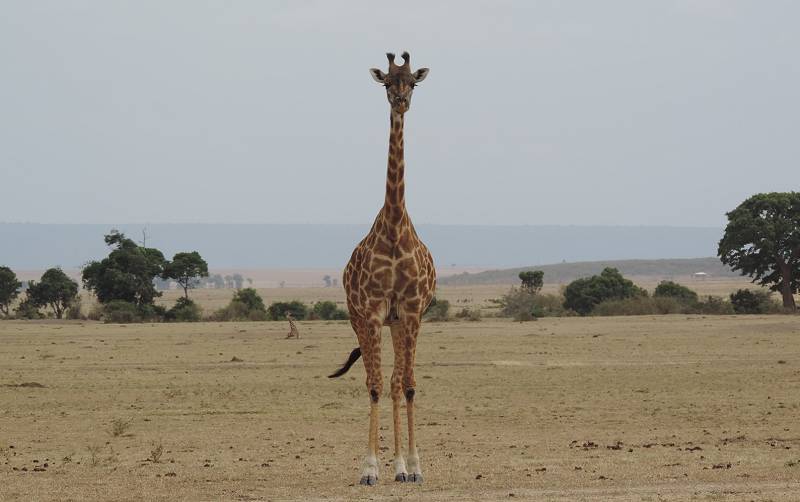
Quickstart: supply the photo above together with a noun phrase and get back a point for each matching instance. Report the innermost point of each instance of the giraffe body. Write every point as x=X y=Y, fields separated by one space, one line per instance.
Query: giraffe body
x=390 y=280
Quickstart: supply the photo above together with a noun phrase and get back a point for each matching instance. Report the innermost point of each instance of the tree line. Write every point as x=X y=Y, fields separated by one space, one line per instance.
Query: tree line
x=761 y=240
x=126 y=285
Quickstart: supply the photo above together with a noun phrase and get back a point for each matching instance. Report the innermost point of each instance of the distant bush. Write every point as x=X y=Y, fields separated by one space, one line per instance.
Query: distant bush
x=184 y=310
x=328 y=310
x=713 y=305
x=246 y=305
x=518 y=304
x=747 y=301
x=120 y=311
x=582 y=295
x=669 y=289
x=74 y=310
x=640 y=305
x=277 y=310
x=28 y=309
x=524 y=304
x=548 y=305
x=438 y=310
x=469 y=314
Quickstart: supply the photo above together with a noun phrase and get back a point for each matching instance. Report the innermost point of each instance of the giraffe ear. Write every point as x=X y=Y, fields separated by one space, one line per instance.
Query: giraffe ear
x=378 y=75
x=420 y=74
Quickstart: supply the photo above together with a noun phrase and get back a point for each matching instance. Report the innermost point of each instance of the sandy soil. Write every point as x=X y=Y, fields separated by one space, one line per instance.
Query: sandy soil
x=647 y=408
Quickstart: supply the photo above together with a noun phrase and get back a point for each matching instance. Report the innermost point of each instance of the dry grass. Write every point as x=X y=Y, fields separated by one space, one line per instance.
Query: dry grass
x=645 y=408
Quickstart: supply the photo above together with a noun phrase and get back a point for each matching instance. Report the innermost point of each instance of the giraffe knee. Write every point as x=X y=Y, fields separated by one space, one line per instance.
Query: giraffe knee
x=374 y=395
x=410 y=394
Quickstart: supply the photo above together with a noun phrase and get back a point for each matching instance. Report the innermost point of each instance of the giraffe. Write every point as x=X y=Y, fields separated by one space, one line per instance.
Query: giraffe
x=389 y=281
x=293 y=332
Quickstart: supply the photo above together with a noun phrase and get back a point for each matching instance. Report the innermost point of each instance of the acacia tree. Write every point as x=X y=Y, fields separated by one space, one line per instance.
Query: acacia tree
x=126 y=274
x=9 y=289
x=55 y=290
x=762 y=240
x=186 y=269
x=532 y=280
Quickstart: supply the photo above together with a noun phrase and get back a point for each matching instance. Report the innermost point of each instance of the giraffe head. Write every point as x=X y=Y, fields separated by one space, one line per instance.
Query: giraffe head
x=399 y=82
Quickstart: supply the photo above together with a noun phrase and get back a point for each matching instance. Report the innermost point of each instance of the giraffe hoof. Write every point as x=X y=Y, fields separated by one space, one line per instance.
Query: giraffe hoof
x=414 y=478
x=368 y=480
x=401 y=476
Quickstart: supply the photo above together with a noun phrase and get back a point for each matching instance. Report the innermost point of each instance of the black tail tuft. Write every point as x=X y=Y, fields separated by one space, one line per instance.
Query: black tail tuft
x=350 y=360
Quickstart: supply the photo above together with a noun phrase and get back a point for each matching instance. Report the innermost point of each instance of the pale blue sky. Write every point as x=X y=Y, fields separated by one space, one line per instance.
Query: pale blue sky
x=611 y=113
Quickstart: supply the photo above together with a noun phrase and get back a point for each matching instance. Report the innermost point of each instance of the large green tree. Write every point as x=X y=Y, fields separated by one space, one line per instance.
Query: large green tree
x=9 y=289
x=55 y=290
x=186 y=269
x=126 y=274
x=762 y=240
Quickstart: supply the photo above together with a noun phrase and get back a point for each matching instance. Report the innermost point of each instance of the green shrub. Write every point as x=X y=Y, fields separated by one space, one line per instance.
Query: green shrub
x=27 y=309
x=582 y=295
x=328 y=311
x=184 y=310
x=438 y=310
x=250 y=298
x=714 y=305
x=277 y=310
x=246 y=305
x=469 y=314
x=747 y=301
x=122 y=312
x=640 y=305
x=669 y=289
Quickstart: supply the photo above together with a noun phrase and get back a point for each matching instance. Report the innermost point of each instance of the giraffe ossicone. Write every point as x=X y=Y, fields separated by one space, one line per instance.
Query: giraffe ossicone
x=390 y=281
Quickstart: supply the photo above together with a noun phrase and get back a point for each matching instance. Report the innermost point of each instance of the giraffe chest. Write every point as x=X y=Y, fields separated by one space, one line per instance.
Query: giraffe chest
x=389 y=275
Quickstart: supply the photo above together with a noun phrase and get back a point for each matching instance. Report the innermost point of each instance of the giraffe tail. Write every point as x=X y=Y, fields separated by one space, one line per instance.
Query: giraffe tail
x=350 y=360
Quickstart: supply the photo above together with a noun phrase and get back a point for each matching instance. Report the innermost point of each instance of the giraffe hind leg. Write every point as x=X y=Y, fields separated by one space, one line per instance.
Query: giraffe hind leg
x=370 y=342
x=400 y=471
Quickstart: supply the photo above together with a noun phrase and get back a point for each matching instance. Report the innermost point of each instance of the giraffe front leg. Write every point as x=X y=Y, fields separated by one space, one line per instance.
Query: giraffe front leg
x=371 y=353
x=410 y=349
x=400 y=471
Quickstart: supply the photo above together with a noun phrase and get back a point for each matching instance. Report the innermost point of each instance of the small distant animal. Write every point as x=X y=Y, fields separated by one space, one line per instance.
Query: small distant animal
x=293 y=332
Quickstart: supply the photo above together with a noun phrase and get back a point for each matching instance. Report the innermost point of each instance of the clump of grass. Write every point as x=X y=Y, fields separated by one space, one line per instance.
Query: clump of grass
x=469 y=314
x=120 y=426
x=157 y=449
x=94 y=454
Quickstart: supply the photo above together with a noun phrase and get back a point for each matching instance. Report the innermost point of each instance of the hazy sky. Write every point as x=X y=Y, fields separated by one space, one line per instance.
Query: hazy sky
x=613 y=113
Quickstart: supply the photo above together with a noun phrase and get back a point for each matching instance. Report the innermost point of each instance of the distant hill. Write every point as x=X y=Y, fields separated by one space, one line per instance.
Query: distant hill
x=38 y=246
x=566 y=272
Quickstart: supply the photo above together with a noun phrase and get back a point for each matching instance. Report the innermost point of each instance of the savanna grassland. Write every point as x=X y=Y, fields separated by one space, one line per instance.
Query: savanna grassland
x=473 y=297
x=634 y=408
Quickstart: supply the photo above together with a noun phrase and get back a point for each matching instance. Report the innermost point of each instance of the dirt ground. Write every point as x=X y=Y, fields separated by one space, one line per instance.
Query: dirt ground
x=637 y=408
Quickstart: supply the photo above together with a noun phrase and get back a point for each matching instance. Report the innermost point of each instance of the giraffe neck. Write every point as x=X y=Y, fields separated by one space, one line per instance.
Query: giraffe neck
x=395 y=204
